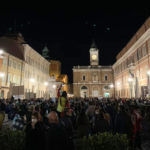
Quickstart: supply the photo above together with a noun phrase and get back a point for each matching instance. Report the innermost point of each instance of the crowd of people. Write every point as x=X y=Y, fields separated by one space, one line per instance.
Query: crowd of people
x=54 y=125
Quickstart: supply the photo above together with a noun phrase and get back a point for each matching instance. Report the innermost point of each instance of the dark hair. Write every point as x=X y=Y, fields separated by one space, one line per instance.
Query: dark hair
x=37 y=108
x=122 y=108
x=101 y=115
x=36 y=115
x=64 y=94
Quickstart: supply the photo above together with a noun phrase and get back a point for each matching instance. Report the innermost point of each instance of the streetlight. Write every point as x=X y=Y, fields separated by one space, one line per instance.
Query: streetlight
x=45 y=83
x=2 y=74
x=111 y=86
x=130 y=79
x=32 y=80
x=1 y=51
x=54 y=86
x=148 y=72
x=118 y=83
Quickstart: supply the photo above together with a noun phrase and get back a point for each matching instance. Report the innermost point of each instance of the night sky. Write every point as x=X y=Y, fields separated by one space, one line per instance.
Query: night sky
x=68 y=32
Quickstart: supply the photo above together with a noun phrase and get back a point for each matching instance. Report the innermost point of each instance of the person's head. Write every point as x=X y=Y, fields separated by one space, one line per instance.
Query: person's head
x=122 y=108
x=64 y=94
x=37 y=108
x=100 y=115
x=36 y=117
x=53 y=117
x=97 y=111
x=68 y=112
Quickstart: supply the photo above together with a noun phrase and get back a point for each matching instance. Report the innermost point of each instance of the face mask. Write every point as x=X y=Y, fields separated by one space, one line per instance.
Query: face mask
x=96 y=112
x=34 y=120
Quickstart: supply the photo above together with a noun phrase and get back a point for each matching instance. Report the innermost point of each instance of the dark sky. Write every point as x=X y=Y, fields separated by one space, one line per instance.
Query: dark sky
x=68 y=32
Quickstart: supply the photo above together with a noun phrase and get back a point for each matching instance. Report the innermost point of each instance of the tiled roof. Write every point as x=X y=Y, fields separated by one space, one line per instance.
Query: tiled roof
x=12 y=47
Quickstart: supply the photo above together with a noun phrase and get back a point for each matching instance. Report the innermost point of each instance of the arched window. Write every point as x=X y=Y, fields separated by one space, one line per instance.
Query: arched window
x=84 y=88
x=106 y=87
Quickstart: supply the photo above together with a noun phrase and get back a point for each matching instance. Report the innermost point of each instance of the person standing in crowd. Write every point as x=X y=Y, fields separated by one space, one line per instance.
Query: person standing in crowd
x=100 y=124
x=136 y=121
x=35 y=133
x=69 y=127
x=29 y=113
x=18 y=121
x=62 y=101
x=123 y=123
x=83 y=124
x=56 y=133
x=90 y=112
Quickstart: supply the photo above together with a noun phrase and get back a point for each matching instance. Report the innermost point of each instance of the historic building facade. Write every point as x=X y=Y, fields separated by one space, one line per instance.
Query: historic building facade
x=55 y=68
x=93 y=80
x=132 y=68
x=11 y=65
x=36 y=74
x=55 y=71
x=23 y=71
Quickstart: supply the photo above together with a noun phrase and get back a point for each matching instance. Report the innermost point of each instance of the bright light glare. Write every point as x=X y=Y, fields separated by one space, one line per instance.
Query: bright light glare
x=118 y=83
x=148 y=72
x=32 y=80
x=2 y=74
x=46 y=83
x=111 y=86
x=54 y=86
x=1 y=51
x=130 y=79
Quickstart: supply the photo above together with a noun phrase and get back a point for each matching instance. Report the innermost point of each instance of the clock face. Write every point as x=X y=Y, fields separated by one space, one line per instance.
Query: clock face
x=94 y=57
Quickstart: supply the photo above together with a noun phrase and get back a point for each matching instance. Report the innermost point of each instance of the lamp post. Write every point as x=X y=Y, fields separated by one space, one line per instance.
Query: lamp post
x=46 y=85
x=112 y=87
x=32 y=80
x=1 y=51
x=130 y=81
x=118 y=87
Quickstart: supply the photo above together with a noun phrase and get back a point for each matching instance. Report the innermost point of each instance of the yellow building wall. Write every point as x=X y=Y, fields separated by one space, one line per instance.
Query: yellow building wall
x=55 y=68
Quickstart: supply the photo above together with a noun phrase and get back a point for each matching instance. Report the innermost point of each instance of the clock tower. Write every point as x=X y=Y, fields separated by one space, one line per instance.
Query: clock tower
x=94 y=55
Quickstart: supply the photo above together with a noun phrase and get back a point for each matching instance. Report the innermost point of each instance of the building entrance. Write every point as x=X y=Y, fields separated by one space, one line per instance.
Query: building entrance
x=84 y=92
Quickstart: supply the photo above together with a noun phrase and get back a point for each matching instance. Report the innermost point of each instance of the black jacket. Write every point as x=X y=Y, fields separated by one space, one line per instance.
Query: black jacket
x=56 y=137
x=36 y=138
x=100 y=125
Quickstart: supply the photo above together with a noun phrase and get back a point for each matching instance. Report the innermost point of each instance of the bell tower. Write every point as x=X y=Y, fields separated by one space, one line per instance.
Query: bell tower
x=94 y=55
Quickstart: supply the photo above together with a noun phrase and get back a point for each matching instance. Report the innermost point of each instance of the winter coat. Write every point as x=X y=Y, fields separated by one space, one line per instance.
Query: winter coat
x=100 y=125
x=56 y=137
x=36 y=138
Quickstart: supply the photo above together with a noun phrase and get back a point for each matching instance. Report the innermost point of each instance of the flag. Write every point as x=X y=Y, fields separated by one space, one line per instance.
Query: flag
x=59 y=91
x=131 y=73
